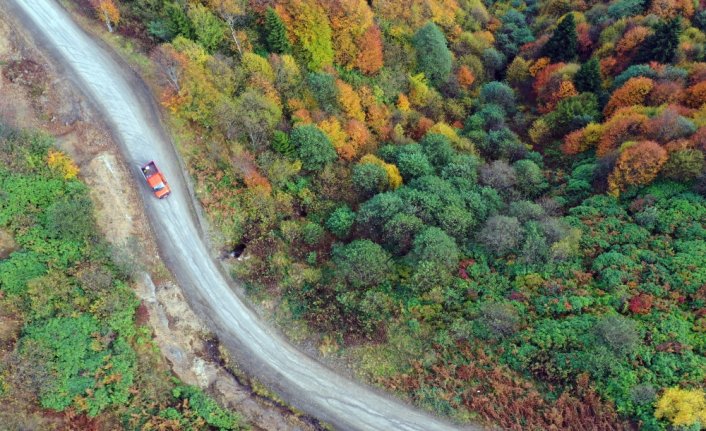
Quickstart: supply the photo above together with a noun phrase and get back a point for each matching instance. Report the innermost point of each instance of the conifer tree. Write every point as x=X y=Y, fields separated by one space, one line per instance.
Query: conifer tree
x=588 y=77
x=662 y=45
x=276 y=33
x=564 y=41
x=282 y=144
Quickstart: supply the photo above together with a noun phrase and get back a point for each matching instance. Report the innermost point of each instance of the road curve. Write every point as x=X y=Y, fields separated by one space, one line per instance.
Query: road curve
x=125 y=102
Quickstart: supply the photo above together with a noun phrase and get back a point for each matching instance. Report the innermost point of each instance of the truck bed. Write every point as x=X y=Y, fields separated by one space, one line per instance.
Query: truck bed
x=149 y=169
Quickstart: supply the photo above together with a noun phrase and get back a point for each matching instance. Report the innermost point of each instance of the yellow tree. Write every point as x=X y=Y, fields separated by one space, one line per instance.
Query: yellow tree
x=349 y=101
x=107 y=11
x=308 y=23
x=349 y=21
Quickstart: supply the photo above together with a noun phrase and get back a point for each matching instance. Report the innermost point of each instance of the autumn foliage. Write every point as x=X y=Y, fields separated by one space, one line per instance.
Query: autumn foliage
x=638 y=164
x=62 y=164
x=360 y=149
x=107 y=11
x=633 y=92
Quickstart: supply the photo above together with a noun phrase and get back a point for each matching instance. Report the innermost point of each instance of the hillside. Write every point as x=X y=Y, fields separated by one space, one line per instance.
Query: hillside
x=493 y=209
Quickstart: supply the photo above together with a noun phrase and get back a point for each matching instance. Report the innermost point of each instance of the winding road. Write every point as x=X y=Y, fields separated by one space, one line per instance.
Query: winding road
x=128 y=106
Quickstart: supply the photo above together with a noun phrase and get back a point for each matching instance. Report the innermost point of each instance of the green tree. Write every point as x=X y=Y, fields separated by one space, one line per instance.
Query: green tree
x=500 y=94
x=362 y=263
x=573 y=113
x=413 y=165
x=535 y=249
x=662 y=45
x=438 y=149
x=276 y=33
x=369 y=178
x=340 y=221
x=588 y=77
x=513 y=33
x=323 y=85
x=209 y=29
x=399 y=232
x=684 y=165
x=434 y=58
x=375 y=212
x=563 y=43
x=255 y=116
x=434 y=245
x=177 y=23
x=530 y=179
x=313 y=147
x=501 y=235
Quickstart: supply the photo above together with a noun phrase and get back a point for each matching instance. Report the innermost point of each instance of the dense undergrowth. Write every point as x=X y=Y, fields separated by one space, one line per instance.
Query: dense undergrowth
x=79 y=349
x=495 y=207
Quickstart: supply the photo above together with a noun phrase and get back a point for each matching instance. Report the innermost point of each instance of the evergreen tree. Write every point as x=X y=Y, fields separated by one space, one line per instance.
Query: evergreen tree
x=433 y=56
x=564 y=42
x=276 y=33
x=662 y=45
x=177 y=22
x=282 y=144
x=588 y=78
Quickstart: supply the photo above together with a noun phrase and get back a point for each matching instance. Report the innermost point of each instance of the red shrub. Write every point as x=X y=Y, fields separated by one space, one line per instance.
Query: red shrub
x=641 y=303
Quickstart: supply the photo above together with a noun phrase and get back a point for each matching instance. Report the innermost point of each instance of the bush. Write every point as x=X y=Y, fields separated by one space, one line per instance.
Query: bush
x=71 y=219
x=499 y=320
x=618 y=333
x=206 y=408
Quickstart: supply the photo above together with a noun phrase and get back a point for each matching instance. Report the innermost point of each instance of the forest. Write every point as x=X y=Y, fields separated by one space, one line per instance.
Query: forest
x=495 y=209
x=80 y=349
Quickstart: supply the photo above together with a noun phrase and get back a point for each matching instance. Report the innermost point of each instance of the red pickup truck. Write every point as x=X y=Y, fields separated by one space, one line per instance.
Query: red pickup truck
x=156 y=180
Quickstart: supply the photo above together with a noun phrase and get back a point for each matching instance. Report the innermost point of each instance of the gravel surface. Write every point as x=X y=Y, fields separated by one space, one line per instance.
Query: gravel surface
x=130 y=109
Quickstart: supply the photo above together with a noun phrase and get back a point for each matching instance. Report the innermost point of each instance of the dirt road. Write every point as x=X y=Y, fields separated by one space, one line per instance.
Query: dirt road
x=129 y=108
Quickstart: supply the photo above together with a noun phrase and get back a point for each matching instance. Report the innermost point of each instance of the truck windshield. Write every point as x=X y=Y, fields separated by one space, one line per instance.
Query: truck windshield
x=159 y=186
